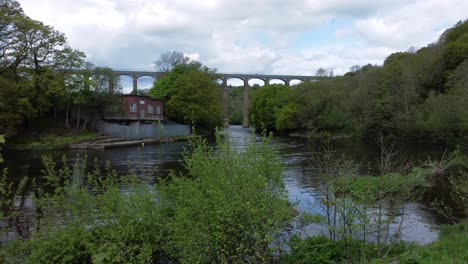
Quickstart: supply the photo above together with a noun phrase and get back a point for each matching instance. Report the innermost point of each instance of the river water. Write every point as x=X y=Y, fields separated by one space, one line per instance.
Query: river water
x=420 y=223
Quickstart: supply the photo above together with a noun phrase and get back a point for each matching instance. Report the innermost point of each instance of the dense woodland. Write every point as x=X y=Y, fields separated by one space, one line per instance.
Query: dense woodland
x=38 y=76
x=415 y=94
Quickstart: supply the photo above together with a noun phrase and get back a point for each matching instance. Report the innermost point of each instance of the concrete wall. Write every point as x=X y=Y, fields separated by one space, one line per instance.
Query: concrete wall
x=140 y=131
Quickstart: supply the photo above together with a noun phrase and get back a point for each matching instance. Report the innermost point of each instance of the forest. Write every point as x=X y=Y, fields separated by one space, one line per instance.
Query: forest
x=415 y=95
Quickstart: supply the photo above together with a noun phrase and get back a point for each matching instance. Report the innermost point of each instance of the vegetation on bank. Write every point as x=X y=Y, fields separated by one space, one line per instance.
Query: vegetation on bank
x=364 y=215
x=419 y=94
x=2 y=141
x=53 y=140
x=450 y=247
x=235 y=98
x=229 y=207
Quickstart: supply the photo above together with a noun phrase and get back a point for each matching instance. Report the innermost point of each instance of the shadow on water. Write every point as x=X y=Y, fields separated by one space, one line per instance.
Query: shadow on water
x=295 y=153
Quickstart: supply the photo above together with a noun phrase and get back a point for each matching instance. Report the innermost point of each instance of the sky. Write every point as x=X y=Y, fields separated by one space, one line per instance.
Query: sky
x=293 y=37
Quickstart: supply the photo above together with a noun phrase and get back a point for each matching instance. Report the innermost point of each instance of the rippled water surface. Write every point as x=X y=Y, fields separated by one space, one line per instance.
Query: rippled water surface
x=159 y=160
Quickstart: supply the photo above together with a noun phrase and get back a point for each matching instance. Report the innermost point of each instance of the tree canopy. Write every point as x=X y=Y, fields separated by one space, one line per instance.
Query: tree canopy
x=191 y=94
x=38 y=73
x=414 y=94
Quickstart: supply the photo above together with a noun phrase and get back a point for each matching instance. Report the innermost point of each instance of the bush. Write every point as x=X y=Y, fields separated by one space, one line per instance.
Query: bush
x=229 y=207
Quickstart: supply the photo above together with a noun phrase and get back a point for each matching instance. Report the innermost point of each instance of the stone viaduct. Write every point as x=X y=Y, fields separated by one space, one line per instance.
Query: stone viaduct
x=223 y=78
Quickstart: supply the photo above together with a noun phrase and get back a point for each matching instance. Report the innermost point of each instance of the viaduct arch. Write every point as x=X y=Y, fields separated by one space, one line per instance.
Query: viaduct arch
x=224 y=77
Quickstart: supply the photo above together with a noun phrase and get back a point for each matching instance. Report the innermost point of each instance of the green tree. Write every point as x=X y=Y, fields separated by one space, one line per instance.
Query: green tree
x=235 y=104
x=191 y=94
x=195 y=99
x=287 y=118
x=167 y=64
x=35 y=61
x=266 y=103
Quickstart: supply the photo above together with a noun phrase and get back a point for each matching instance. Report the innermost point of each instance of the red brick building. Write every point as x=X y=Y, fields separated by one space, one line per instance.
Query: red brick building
x=139 y=108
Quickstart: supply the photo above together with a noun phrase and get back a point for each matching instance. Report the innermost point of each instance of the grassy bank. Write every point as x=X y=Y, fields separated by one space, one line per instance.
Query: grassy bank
x=449 y=248
x=57 y=140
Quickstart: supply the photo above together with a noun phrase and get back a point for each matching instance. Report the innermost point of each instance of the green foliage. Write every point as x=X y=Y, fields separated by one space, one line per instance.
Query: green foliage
x=414 y=95
x=2 y=141
x=55 y=141
x=266 y=104
x=356 y=208
x=84 y=216
x=195 y=99
x=9 y=191
x=235 y=105
x=229 y=207
x=370 y=189
x=450 y=174
x=192 y=96
x=449 y=248
x=320 y=249
x=286 y=119
x=34 y=66
x=59 y=245
x=316 y=249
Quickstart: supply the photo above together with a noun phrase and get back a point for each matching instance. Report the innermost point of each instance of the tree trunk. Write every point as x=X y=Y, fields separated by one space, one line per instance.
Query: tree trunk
x=78 y=117
x=85 y=122
x=93 y=126
x=67 y=125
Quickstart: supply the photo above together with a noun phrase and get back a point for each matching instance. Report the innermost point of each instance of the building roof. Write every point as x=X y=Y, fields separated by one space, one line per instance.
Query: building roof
x=140 y=96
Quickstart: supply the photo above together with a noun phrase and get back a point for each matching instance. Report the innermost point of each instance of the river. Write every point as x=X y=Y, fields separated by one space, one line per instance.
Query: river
x=420 y=223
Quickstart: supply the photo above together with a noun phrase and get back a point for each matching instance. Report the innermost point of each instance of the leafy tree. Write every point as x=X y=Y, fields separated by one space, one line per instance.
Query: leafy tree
x=169 y=60
x=35 y=61
x=191 y=94
x=286 y=118
x=266 y=103
x=194 y=98
x=235 y=105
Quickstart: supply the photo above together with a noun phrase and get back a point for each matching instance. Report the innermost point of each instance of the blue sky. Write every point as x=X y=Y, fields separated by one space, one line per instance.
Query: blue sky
x=262 y=36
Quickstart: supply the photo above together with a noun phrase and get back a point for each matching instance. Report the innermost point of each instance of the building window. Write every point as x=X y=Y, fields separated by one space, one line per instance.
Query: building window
x=158 y=110
x=142 y=101
x=133 y=107
x=150 y=109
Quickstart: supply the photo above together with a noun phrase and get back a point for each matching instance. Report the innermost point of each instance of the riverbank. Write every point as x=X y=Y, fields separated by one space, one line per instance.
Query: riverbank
x=450 y=247
x=52 y=140
x=106 y=142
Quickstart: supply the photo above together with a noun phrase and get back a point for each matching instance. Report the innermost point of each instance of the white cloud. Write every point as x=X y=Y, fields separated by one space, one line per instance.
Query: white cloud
x=247 y=36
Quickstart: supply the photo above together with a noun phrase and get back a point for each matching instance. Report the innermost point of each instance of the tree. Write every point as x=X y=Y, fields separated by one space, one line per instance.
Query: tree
x=191 y=95
x=266 y=104
x=169 y=60
x=355 y=68
x=194 y=98
x=35 y=62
